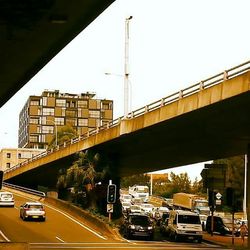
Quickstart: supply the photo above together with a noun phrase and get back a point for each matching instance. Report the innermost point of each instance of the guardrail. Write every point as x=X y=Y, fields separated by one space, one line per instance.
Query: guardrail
x=200 y=86
x=24 y=189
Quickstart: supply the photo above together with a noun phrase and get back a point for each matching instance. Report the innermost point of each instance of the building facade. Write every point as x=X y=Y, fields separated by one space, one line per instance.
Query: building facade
x=42 y=116
x=10 y=157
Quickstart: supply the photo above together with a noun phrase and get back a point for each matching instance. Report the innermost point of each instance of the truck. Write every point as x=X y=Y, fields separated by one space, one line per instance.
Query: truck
x=139 y=191
x=192 y=202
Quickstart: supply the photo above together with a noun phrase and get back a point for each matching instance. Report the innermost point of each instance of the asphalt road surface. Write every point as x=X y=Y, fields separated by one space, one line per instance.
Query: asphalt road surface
x=62 y=231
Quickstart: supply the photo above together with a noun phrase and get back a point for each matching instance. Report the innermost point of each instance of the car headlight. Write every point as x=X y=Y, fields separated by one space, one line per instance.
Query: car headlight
x=150 y=228
x=132 y=226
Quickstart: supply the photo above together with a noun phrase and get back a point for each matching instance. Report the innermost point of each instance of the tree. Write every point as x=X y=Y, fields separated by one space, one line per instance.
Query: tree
x=64 y=134
x=180 y=183
x=87 y=170
x=197 y=187
x=139 y=179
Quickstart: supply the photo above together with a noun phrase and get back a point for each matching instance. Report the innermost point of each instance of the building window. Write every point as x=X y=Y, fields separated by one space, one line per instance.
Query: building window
x=82 y=104
x=42 y=138
x=34 y=102
x=33 y=138
x=59 y=120
x=60 y=103
x=107 y=106
x=70 y=113
x=7 y=165
x=48 y=111
x=94 y=114
x=83 y=122
x=63 y=111
x=47 y=129
x=19 y=156
x=8 y=155
x=34 y=120
x=98 y=104
x=45 y=101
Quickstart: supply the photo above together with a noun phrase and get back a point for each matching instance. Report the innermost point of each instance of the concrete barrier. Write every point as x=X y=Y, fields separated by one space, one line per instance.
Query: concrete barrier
x=14 y=246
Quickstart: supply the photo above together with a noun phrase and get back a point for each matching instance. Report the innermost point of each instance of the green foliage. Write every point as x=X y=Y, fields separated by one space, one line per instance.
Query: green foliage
x=139 y=179
x=87 y=169
x=64 y=134
x=180 y=183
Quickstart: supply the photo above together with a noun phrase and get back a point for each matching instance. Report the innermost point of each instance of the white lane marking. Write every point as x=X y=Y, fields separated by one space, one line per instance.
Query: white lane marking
x=71 y=218
x=77 y=222
x=60 y=239
x=4 y=236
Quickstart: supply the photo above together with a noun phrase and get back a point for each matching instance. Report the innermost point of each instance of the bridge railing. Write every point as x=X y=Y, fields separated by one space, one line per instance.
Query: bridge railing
x=24 y=189
x=195 y=88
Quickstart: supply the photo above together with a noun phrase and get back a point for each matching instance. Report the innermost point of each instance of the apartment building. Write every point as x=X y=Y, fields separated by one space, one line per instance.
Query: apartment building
x=10 y=157
x=42 y=116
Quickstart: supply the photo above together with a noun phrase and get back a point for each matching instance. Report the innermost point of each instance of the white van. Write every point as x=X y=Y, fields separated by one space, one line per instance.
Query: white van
x=6 y=199
x=184 y=225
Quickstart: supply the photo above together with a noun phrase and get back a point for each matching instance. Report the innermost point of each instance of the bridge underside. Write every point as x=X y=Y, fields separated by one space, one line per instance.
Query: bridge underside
x=33 y=32
x=212 y=132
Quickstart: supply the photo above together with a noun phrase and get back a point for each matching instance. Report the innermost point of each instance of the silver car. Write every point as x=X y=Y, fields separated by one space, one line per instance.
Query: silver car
x=32 y=210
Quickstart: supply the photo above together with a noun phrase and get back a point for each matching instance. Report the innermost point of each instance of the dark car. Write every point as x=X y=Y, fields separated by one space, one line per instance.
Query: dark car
x=140 y=225
x=221 y=225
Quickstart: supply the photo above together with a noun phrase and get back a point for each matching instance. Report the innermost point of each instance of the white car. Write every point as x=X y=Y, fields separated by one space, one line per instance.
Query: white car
x=6 y=199
x=32 y=210
x=125 y=198
x=135 y=209
x=147 y=208
x=126 y=206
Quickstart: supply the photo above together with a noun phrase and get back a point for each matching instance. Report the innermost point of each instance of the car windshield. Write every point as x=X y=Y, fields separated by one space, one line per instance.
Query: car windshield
x=147 y=205
x=135 y=207
x=126 y=197
x=140 y=220
x=189 y=219
x=6 y=195
x=35 y=206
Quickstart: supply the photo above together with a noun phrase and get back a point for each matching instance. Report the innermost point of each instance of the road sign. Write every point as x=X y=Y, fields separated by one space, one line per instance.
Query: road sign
x=218 y=196
x=110 y=208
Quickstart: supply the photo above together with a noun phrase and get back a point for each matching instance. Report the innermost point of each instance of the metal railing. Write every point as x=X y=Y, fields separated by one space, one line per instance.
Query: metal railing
x=198 y=87
x=24 y=189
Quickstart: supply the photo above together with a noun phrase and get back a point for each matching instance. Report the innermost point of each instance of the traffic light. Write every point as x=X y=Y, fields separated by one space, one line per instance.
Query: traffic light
x=211 y=198
x=1 y=179
x=229 y=197
x=111 y=193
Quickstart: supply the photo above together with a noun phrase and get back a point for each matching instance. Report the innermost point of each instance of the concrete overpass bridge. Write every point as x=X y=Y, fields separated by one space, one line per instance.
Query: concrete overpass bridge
x=206 y=121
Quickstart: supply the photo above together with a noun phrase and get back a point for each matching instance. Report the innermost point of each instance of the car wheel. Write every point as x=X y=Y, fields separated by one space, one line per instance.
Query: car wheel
x=199 y=240
x=176 y=238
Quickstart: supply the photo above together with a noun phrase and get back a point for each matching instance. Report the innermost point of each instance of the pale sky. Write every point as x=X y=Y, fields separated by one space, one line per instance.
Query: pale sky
x=173 y=44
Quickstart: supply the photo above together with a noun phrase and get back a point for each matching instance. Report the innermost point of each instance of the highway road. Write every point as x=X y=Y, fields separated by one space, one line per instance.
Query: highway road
x=62 y=231
x=58 y=227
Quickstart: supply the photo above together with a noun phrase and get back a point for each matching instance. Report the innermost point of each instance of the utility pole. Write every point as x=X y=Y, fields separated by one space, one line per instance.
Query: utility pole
x=126 y=67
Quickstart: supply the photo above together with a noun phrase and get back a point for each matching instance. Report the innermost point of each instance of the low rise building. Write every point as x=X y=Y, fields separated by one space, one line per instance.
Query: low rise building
x=10 y=157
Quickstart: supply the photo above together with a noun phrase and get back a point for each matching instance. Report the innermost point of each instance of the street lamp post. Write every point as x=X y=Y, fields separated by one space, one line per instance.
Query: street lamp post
x=126 y=66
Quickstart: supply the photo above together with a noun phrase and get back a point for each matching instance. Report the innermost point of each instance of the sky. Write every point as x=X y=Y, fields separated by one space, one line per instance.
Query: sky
x=173 y=44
